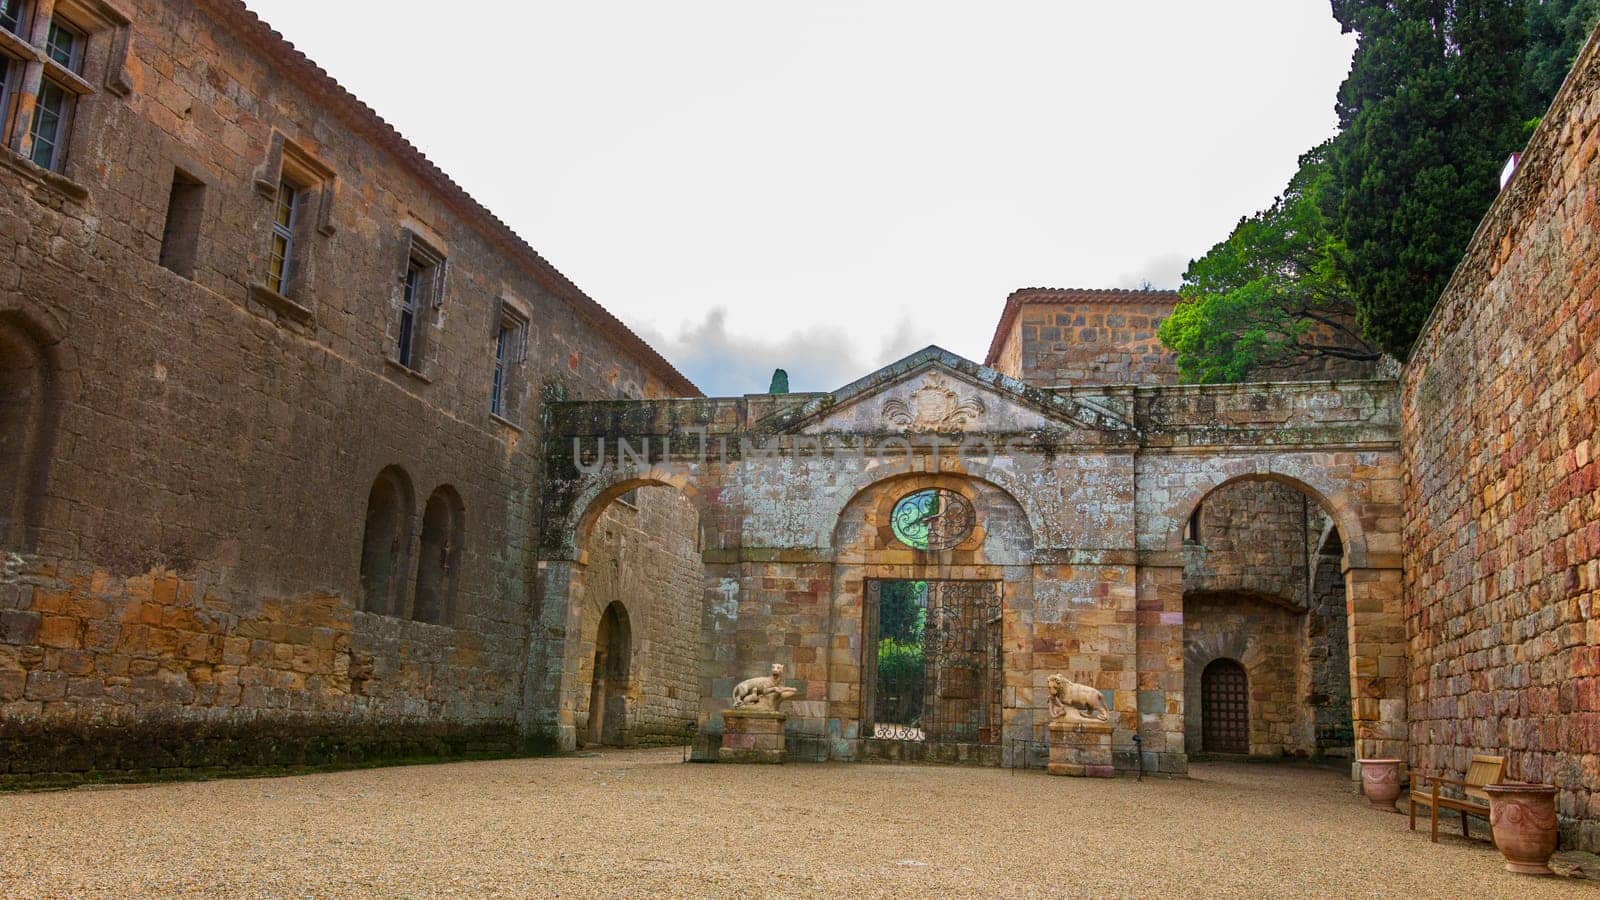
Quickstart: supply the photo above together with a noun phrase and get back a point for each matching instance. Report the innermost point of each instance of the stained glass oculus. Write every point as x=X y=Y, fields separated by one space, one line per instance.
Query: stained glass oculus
x=933 y=519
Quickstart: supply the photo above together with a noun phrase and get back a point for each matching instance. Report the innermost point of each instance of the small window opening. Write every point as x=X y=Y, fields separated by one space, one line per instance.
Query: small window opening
x=180 y=238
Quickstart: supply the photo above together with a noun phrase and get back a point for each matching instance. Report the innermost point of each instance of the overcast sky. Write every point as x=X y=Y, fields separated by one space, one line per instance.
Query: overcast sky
x=828 y=186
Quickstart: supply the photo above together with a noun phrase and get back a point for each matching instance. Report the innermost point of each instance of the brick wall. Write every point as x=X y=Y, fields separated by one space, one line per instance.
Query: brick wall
x=187 y=527
x=1502 y=550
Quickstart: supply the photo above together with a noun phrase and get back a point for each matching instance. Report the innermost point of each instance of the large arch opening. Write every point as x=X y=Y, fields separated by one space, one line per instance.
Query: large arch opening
x=933 y=576
x=1264 y=591
x=26 y=432
x=386 y=542
x=637 y=602
x=608 y=690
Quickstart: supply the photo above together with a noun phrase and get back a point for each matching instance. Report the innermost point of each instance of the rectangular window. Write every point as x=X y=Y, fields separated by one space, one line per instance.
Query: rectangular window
x=14 y=16
x=64 y=44
x=50 y=114
x=280 y=266
x=180 y=239
x=509 y=347
x=421 y=292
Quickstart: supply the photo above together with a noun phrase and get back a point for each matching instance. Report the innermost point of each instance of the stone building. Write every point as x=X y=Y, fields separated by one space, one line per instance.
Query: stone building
x=270 y=428
x=307 y=458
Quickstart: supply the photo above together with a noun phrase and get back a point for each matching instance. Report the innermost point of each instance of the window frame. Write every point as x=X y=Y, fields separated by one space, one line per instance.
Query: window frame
x=58 y=149
x=508 y=353
x=24 y=19
x=282 y=267
x=12 y=70
x=418 y=297
x=75 y=54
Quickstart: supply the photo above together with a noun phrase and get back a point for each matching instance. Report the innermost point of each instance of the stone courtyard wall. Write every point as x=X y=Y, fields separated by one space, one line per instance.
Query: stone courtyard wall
x=181 y=585
x=1501 y=430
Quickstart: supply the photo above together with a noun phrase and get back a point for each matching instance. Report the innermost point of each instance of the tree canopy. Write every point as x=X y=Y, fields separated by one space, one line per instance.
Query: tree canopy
x=1372 y=226
x=1268 y=297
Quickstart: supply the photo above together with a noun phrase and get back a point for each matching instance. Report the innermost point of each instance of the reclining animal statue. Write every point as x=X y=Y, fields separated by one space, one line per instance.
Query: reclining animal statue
x=1074 y=702
x=763 y=691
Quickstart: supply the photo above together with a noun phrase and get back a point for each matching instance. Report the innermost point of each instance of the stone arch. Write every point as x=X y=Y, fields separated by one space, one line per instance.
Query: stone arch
x=975 y=720
x=386 y=542
x=647 y=554
x=611 y=677
x=439 y=559
x=596 y=495
x=1333 y=496
x=31 y=391
x=1287 y=625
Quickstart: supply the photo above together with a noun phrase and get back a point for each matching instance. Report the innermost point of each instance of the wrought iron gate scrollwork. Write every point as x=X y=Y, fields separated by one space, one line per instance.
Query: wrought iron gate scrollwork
x=932 y=667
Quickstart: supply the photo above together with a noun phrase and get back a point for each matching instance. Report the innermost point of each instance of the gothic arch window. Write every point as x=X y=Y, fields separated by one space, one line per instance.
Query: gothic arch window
x=386 y=542
x=26 y=428
x=439 y=568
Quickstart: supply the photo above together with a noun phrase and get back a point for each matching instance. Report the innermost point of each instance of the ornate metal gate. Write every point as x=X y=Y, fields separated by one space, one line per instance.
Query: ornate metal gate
x=932 y=668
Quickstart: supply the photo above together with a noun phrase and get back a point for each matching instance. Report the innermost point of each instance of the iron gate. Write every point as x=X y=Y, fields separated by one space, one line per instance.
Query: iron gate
x=932 y=669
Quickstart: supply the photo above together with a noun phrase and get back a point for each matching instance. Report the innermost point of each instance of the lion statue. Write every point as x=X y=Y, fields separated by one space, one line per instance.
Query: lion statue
x=763 y=691
x=1076 y=702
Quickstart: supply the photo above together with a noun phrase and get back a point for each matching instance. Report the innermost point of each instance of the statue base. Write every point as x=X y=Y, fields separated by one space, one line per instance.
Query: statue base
x=751 y=735
x=1081 y=749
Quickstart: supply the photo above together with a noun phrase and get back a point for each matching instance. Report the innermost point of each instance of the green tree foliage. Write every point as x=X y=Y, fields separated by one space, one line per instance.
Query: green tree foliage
x=1268 y=297
x=1556 y=32
x=780 y=382
x=1430 y=111
x=902 y=610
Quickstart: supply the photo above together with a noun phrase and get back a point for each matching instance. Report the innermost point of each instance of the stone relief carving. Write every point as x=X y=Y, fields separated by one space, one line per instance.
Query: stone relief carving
x=1074 y=702
x=934 y=406
x=763 y=692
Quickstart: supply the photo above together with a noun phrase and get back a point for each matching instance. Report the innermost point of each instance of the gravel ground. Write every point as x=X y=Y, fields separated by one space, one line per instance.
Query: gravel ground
x=639 y=822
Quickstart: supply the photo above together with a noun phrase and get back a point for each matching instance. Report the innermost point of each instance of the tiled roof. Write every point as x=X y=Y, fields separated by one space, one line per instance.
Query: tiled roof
x=321 y=83
x=1065 y=295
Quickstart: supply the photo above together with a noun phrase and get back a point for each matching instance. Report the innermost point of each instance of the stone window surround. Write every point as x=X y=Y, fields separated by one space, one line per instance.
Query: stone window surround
x=315 y=182
x=508 y=410
x=103 y=57
x=419 y=244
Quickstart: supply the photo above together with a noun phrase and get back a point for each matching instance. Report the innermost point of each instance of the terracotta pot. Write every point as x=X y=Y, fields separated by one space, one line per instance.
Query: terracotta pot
x=1523 y=818
x=1380 y=781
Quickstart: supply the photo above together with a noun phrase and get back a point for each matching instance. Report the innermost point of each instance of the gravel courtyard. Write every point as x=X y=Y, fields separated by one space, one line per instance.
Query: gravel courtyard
x=641 y=823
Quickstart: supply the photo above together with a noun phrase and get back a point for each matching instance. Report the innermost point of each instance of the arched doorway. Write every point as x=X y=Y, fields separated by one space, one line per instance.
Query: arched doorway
x=25 y=433
x=1225 y=708
x=386 y=542
x=608 y=689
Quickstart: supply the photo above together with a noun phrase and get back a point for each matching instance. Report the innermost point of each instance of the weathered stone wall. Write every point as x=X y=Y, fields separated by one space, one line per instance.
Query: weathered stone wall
x=645 y=555
x=189 y=547
x=1093 y=342
x=1502 y=484
x=1252 y=541
x=1262 y=636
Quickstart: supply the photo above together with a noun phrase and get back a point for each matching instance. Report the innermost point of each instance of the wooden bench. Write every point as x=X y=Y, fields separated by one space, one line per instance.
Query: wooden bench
x=1474 y=800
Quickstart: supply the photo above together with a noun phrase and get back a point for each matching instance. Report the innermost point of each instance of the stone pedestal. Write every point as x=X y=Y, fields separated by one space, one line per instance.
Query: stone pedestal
x=752 y=735
x=1081 y=749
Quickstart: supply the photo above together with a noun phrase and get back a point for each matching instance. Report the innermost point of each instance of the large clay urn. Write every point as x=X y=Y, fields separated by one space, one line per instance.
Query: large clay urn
x=1523 y=818
x=1380 y=781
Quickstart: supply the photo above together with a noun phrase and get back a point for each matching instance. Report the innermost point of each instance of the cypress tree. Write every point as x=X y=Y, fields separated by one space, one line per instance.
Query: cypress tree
x=1431 y=109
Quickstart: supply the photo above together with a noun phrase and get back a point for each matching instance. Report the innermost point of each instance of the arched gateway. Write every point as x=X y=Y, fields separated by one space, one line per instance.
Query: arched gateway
x=1017 y=532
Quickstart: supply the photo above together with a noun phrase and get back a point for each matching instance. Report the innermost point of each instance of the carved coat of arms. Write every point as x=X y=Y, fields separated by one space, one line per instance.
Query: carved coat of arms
x=934 y=406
